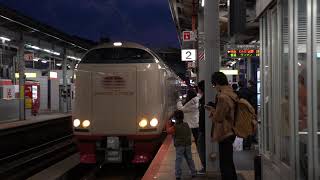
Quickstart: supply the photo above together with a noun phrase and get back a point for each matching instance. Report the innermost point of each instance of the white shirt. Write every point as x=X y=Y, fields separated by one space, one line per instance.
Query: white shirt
x=191 y=112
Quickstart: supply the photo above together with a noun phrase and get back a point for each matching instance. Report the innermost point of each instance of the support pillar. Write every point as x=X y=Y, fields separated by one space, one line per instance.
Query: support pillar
x=201 y=63
x=22 y=78
x=211 y=64
x=65 y=84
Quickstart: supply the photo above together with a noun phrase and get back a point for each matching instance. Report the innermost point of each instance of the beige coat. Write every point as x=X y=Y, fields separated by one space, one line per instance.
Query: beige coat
x=223 y=116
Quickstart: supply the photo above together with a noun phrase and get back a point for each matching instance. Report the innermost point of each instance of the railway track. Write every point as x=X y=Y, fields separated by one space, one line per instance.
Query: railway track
x=27 y=150
x=106 y=171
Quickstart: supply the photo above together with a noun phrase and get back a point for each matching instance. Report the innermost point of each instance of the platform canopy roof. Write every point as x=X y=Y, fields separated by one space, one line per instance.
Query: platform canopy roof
x=182 y=11
x=16 y=22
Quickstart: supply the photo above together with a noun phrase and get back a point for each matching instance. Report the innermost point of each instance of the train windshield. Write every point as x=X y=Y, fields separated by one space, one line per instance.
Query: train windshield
x=117 y=56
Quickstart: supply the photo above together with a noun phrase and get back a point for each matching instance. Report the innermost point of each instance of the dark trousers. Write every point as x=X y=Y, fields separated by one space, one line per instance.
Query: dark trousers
x=227 y=169
x=195 y=133
x=202 y=148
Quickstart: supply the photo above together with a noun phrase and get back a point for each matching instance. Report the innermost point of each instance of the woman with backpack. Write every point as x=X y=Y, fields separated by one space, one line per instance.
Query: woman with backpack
x=223 y=119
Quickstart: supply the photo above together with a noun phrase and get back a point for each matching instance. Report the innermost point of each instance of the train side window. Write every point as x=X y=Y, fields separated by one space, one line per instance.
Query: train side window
x=117 y=56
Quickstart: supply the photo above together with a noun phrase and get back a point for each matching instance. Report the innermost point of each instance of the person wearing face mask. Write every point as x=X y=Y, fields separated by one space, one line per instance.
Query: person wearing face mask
x=223 y=119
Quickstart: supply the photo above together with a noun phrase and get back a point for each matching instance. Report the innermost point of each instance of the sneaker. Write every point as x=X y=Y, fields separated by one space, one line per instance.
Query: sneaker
x=202 y=172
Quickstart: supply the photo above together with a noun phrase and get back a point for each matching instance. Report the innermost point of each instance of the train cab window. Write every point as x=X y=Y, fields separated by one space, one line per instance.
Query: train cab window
x=117 y=55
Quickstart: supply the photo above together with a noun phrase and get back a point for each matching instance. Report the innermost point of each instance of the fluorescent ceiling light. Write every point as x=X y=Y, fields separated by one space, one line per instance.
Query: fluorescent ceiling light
x=44 y=50
x=59 y=64
x=36 y=59
x=74 y=58
x=202 y=3
x=4 y=39
x=117 y=44
x=33 y=47
x=230 y=72
x=28 y=75
x=44 y=61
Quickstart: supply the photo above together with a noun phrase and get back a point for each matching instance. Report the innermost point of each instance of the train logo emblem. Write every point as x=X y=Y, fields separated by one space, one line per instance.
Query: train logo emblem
x=113 y=82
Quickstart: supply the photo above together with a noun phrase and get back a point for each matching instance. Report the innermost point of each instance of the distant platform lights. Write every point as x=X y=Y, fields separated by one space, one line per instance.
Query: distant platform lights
x=42 y=49
x=49 y=51
x=4 y=39
x=74 y=58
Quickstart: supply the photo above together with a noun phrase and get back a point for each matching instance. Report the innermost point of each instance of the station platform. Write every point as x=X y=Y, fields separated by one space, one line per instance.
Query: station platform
x=12 y=123
x=163 y=165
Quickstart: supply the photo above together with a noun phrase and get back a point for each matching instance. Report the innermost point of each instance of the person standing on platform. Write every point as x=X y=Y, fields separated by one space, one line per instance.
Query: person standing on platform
x=223 y=119
x=182 y=142
x=191 y=112
x=201 y=139
x=253 y=94
x=243 y=91
x=235 y=88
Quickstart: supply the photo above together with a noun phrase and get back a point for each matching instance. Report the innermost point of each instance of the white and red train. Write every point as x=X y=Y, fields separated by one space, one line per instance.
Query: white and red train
x=124 y=94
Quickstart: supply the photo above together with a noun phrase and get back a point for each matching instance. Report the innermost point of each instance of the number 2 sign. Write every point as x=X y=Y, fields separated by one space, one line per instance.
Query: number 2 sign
x=188 y=55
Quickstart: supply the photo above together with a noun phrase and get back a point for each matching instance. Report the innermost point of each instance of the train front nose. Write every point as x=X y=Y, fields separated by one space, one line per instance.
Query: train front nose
x=114 y=108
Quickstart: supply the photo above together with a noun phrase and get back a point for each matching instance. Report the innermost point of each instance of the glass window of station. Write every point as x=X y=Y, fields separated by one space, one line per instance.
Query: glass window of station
x=290 y=50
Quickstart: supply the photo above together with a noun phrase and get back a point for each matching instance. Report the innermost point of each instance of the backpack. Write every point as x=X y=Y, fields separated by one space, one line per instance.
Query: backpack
x=245 y=123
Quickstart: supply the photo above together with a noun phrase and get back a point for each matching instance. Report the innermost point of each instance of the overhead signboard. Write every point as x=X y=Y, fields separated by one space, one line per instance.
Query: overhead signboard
x=28 y=57
x=188 y=36
x=242 y=46
x=188 y=54
x=242 y=53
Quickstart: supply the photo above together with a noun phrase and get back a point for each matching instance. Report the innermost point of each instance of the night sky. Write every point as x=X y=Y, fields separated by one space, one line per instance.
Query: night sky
x=148 y=22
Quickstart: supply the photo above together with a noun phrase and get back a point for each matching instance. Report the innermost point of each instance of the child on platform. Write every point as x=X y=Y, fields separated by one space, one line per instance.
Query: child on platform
x=182 y=142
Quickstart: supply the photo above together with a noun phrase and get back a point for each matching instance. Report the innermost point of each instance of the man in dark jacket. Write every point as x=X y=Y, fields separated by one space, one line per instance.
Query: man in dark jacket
x=253 y=94
x=182 y=142
x=201 y=139
x=243 y=91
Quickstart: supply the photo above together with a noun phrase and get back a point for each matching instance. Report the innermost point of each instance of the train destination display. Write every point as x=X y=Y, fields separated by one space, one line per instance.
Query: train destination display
x=238 y=53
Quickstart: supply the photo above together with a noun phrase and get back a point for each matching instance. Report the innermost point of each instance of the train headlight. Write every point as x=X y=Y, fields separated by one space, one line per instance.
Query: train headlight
x=143 y=123
x=76 y=122
x=154 y=122
x=86 y=123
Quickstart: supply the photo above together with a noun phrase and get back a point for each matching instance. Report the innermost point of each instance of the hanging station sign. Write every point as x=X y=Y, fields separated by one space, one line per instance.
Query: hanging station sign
x=242 y=53
x=188 y=54
x=189 y=36
x=242 y=50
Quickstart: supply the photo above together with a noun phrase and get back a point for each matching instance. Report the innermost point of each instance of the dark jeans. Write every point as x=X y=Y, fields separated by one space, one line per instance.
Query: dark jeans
x=227 y=169
x=195 y=133
x=202 y=148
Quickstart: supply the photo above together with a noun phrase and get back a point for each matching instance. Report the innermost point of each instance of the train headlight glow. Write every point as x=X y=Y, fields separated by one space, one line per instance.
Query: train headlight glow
x=154 y=122
x=86 y=123
x=143 y=123
x=76 y=123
